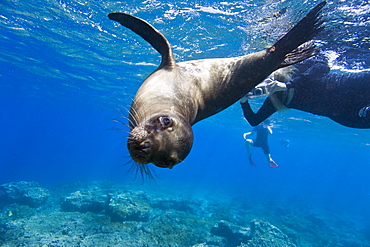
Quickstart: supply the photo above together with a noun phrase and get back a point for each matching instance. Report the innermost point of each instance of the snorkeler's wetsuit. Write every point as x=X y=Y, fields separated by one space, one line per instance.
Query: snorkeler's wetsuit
x=262 y=138
x=344 y=98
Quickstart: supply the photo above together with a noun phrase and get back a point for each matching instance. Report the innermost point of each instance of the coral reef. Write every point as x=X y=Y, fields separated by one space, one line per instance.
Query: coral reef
x=106 y=214
x=85 y=201
x=23 y=193
x=234 y=234
x=128 y=207
x=260 y=233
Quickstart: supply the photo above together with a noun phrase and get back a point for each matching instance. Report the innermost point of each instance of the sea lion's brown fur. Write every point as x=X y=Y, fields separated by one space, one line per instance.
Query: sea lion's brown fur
x=177 y=95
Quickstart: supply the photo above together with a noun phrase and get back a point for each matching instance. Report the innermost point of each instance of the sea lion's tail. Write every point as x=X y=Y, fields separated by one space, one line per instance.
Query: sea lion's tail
x=294 y=45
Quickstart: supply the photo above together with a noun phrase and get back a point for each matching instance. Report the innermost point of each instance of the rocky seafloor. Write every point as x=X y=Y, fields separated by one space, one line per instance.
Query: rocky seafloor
x=107 y=214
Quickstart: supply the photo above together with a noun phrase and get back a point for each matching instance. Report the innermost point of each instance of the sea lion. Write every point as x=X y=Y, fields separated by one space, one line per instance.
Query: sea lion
x=177 y=95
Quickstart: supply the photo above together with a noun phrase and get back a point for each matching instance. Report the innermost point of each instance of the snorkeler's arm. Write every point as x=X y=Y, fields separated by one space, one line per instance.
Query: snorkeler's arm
x=318 y=69
x=246 y=134
x=263 y=113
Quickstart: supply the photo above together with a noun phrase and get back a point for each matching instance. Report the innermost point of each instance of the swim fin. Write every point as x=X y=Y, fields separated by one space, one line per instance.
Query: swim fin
x=273 y=164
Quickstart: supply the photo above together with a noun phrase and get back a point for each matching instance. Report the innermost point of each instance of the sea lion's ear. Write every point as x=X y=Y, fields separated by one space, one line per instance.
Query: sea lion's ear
x=149 y=33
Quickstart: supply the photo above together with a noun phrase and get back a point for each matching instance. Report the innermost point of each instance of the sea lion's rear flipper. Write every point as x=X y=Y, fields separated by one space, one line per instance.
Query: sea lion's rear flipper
x=291 y=46
x=303 y=52
x=149 y=33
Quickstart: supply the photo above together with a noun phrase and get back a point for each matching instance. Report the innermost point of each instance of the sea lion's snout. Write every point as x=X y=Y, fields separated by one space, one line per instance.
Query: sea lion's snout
x=162 y=140
x=139 y=145
x=167 y=164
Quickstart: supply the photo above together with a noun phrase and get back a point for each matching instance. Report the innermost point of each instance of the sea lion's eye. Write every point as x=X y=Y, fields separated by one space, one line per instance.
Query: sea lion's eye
x=165 y=121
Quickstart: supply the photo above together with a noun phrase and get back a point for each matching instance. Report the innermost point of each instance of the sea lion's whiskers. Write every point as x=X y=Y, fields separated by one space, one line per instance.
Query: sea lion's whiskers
x=132 y=120
x=122 y=130
x=130 y=140
x=134 y=115
x=128 y=115
x=126 y=157
x=119 y=108
x=120 y=122
x=122 y=115
x=124 y=124
x=145 y=171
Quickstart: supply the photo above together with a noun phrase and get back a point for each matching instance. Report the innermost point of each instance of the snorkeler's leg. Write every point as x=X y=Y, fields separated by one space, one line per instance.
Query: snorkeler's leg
x=271 y=161
x=248 y=144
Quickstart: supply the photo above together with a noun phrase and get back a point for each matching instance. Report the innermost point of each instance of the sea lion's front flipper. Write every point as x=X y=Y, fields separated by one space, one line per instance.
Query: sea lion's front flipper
x=149 y=33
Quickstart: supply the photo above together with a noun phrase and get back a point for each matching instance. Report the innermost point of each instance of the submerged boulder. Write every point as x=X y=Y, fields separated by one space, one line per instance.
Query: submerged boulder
x=265 y=234
x=23 y=193
x=85 y=201
x=260 y=233
x=128 y=207
x=234 y=234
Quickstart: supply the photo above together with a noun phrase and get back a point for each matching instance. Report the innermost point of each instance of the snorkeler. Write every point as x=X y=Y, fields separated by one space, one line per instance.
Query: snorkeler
x=262 y=131
x=309 y=87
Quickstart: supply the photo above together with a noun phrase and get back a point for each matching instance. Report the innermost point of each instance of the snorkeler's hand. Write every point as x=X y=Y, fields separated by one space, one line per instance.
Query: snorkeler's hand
x=246 y=134
x=276 y=86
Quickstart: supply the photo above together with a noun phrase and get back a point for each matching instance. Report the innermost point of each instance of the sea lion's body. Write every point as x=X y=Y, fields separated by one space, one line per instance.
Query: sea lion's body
x=197 y=89
x=195 y=95
x=177 y=95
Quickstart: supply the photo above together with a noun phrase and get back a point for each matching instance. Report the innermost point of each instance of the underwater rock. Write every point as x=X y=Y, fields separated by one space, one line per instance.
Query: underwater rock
x=55 y=228
x=260 y=234
x=85 y=201
x=127 y=207
x=266 y=235
x=178 y=228
x=135 y=217
x=234 y=234
x=23 y=193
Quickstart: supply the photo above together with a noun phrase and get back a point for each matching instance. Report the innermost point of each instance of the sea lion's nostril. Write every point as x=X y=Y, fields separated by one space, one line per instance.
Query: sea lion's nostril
x=145 y=145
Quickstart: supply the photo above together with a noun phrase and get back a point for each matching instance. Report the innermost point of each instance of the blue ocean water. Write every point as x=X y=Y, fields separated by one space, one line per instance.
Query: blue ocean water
x=66 y=70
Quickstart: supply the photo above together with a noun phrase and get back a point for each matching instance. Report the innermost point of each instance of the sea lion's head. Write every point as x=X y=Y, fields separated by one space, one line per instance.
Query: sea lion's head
x=164 y=140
